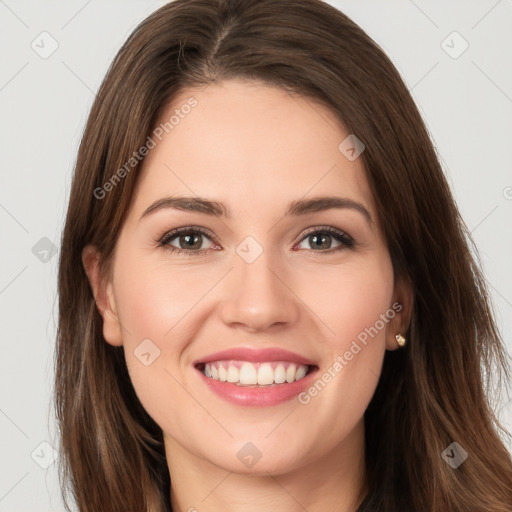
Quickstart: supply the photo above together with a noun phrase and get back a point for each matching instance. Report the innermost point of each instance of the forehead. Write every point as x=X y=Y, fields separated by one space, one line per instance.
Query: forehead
x=247 y=144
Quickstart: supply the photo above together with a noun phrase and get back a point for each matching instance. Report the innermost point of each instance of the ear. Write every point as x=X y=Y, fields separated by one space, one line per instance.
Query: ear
x=103 y=295
x=403 y=298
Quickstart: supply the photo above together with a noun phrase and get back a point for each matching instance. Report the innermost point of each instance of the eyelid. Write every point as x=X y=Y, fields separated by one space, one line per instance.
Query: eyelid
x=185 y=229
x=342 y=236
x=323 y=229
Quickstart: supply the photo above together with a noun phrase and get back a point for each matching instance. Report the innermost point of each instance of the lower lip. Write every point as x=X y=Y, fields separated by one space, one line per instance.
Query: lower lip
x=258 y=396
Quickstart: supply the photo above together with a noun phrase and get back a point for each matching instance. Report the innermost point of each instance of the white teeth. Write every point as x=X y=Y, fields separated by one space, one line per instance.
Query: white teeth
x=244 y=373
x=301 y=372
x=247 y=375
x=265 y=375
x=290 y=373
x=279 y=374
x=233 y=374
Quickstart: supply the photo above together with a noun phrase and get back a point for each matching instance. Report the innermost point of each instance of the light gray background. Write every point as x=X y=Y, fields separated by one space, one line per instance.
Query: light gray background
x=466 y=102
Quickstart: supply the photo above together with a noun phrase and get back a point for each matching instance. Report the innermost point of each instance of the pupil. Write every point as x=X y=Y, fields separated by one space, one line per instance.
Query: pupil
x=322 y=239
x=190 y=241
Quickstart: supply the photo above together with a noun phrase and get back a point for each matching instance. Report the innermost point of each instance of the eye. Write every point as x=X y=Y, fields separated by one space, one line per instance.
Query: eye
x=188 y=240
x=321 y=240
x=194 y=240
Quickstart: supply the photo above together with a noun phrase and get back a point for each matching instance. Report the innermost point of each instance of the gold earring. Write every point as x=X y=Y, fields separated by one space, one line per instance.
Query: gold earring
x=400 y=340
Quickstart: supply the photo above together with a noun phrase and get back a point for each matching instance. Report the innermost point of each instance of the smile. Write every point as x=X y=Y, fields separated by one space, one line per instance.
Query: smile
x=256 y=384
x=245 y=373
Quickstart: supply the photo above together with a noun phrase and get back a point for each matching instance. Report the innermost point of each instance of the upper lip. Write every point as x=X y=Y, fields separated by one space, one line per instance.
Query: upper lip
x=252 y=355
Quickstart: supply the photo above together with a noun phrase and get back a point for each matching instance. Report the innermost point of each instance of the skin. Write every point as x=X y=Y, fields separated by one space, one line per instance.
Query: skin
x=254 y=148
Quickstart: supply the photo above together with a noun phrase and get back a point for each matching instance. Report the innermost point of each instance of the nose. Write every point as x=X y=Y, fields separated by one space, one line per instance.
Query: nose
x=258 y=296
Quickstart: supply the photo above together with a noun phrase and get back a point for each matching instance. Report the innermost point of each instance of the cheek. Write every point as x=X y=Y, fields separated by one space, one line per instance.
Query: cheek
x=350 y=299
x=154 y=298
x=155 y=303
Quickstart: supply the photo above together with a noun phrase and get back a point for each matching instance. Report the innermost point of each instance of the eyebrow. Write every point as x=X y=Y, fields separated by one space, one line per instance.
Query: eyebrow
x=295 y=208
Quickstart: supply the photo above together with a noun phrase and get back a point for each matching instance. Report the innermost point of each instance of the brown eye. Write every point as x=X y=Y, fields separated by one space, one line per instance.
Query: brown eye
x=328 y=238
x=194 y=241
x=187 y=240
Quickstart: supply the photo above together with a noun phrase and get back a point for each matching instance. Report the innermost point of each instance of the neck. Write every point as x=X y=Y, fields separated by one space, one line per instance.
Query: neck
x=332 y=481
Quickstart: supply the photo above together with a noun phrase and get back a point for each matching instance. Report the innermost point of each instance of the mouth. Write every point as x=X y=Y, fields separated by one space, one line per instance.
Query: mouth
x=255 y=374
x=256 y=377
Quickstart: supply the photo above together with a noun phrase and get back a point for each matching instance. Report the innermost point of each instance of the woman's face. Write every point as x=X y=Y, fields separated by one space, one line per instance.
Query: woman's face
x=265 y=267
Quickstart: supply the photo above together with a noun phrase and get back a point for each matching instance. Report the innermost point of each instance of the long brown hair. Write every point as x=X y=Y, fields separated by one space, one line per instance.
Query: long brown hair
x=433 y=392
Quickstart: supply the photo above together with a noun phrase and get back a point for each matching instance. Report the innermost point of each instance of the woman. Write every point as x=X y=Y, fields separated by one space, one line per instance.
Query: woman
x=267 y=298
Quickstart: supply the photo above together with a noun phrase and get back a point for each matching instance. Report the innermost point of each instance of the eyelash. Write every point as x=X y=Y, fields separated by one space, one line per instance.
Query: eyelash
x=346 y=240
